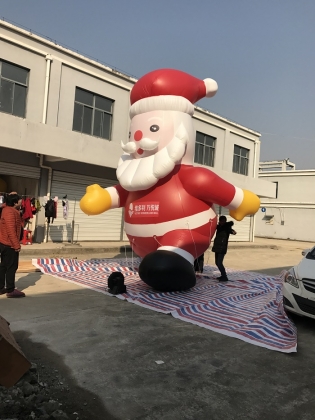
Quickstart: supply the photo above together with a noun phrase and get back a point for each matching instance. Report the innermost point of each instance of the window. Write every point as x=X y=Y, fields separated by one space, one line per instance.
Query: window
x=92 y=114
x=240 y=160
x=204 y=149
x=13 y=89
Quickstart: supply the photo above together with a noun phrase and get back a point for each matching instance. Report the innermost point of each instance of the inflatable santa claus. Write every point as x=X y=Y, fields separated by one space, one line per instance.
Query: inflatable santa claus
x=169 y=215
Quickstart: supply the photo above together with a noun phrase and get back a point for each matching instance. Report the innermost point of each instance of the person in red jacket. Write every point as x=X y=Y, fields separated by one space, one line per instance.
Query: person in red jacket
x=10 y=231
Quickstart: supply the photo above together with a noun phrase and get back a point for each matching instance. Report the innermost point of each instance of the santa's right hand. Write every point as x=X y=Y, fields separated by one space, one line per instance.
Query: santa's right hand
x=95 y=201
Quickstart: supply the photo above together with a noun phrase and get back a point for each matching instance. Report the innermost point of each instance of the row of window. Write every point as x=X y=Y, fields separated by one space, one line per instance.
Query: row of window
x=93 y=115
x=205 y=151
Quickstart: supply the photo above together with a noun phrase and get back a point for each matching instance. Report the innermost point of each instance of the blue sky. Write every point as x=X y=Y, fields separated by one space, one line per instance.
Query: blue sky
x=261 y=53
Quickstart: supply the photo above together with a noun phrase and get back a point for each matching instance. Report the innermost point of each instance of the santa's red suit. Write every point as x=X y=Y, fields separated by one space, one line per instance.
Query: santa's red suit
x=176 y=214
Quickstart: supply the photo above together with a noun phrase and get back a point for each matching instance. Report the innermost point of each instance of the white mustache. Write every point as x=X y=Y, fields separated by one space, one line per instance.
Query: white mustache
x=148 y=144
x=145 y=144
x=129 y=147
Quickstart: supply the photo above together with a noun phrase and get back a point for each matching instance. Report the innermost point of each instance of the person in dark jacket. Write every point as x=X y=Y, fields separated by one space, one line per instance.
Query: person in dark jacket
x=10 y=231
x=220 y=244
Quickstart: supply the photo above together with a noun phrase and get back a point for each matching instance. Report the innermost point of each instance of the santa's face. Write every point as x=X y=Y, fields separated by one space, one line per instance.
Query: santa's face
x=158 y=141
x=150 y=132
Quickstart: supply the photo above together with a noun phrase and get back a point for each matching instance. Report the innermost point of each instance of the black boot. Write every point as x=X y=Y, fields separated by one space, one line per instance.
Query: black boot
x=115 y=283
x=167 y=271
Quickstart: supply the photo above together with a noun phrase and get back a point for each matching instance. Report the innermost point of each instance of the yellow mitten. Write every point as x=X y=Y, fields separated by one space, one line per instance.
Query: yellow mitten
x=95 y=201
x=248 y=206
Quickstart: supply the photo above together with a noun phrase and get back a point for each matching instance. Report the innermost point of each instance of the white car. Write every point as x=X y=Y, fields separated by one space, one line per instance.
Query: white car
x=299 y=286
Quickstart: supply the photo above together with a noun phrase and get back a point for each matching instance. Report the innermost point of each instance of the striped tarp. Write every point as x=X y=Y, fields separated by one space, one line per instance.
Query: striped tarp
x=248 y=307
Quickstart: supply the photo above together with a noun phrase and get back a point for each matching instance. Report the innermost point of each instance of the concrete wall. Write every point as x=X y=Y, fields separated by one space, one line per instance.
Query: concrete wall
x=20 y=134
x=68 y=70
x=227 y=135
x=293 y=210
x=36 y=81
x=299 y=224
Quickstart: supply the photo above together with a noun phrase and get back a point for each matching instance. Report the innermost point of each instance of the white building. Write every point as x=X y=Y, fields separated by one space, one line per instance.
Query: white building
x=291 y=214
x=62 y=119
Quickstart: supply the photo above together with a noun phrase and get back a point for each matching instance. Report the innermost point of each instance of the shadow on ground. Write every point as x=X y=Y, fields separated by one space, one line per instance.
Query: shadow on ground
x=62 y=386
x=307 y=325
x=28 y=280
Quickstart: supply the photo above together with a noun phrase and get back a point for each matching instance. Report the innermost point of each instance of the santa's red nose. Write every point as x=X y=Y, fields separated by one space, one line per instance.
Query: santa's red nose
x=138 y=135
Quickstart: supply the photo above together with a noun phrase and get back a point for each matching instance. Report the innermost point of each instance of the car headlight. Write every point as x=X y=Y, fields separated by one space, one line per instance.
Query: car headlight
x=291 y=279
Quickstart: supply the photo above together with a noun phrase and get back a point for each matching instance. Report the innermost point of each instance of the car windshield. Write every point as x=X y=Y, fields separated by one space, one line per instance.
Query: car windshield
x=311 y=255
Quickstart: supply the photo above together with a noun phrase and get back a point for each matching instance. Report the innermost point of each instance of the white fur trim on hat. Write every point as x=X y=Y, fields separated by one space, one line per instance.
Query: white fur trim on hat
x=211 y=87
x=162 y=103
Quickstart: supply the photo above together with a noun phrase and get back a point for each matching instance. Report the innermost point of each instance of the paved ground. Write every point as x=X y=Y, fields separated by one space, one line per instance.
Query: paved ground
x=107 y=348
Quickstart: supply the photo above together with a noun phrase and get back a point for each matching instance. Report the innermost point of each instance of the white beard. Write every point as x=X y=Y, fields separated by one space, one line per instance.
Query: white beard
x=141 y=174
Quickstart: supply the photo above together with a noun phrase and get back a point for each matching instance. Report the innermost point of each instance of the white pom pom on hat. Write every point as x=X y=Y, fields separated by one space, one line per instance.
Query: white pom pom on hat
x=211 y=87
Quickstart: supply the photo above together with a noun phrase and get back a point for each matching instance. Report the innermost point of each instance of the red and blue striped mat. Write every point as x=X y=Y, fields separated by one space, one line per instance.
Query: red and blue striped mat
x=248 y=307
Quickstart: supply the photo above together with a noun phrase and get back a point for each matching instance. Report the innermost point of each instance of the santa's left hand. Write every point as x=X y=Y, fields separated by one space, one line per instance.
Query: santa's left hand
x=249 y=206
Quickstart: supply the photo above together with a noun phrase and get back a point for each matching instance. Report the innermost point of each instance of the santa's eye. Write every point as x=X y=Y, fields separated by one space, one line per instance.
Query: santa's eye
x=129 y=134
x=154 y=128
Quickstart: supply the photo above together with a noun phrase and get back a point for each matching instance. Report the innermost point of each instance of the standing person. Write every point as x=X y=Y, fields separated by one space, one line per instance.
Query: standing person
x=10 y=231
x=220 y=244
x=199 y=263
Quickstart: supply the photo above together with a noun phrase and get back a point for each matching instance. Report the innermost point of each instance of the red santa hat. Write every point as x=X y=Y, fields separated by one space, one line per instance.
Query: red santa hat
x=169 y=89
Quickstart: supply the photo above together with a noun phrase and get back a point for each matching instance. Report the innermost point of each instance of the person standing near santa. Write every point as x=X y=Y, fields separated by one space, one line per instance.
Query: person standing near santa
x=169 y=216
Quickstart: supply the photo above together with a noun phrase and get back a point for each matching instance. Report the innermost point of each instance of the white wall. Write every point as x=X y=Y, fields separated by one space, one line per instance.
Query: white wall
x=36 y=64
x=228 y=134
x=71 y=79
x=299 y=224
x=20 y=134
x=293 y=210
x=68 y=70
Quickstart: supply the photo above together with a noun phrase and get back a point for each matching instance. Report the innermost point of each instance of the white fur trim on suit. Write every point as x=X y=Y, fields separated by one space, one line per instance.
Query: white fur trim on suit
x=178 y=251
x=160 y=229
x=161 y=103
x=114 y=196
x=237 y=200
